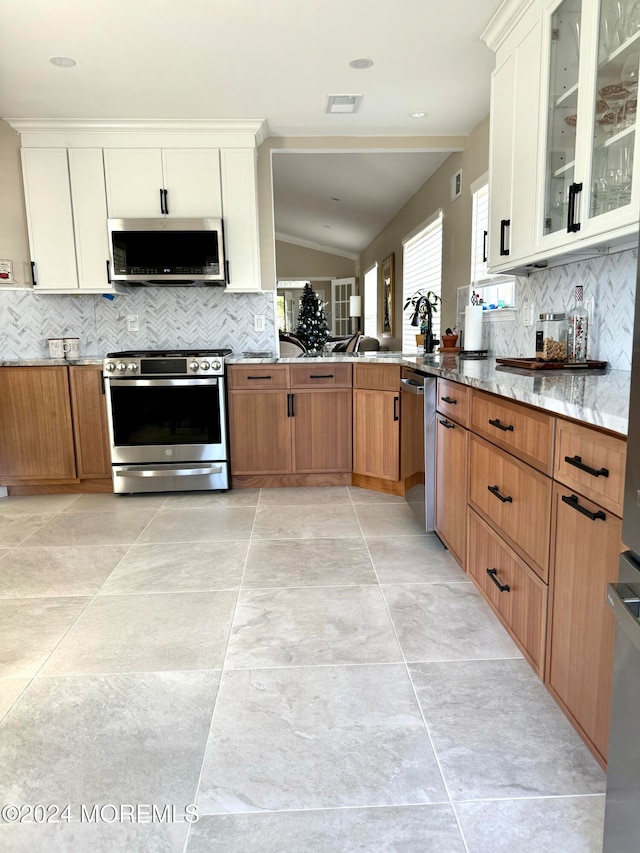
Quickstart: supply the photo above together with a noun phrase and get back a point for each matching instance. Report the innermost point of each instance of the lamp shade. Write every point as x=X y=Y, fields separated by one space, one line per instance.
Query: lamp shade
x=355 y=306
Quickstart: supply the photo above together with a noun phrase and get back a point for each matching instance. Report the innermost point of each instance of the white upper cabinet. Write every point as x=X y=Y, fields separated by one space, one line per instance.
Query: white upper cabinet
x=151 y=182
x=240 y=217
x=66 y=216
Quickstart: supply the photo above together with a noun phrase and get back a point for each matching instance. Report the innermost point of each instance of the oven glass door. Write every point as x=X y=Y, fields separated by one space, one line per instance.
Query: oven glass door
x=167 y=420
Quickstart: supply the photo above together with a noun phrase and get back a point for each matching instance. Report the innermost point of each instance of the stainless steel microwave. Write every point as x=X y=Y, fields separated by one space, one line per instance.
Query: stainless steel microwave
x=167 y=251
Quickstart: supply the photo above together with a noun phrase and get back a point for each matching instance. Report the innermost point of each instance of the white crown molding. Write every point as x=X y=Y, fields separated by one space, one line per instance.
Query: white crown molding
x=255 y=127
x=504 y=22
x=308 y=244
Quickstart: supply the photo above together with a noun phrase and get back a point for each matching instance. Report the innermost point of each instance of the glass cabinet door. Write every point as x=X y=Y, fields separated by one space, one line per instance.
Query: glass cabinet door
x=616 y=98
x=562 y=117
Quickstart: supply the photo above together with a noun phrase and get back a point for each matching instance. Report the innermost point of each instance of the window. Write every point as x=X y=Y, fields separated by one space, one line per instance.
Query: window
x=421 y=270
x=480 y=233
x=371 y=302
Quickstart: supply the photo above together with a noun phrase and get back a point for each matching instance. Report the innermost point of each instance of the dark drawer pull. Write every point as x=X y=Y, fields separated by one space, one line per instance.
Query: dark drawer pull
x=577 y=461
x=496 y=423
x=493 y=574
x=574 y=503
x=449 y=400
x=447 y=424
x=495 y=490
x=258 y=377
x=321 y=376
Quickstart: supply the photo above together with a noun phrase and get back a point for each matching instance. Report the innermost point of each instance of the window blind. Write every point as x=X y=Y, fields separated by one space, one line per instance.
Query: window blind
x=480 y=225
x=421 y=270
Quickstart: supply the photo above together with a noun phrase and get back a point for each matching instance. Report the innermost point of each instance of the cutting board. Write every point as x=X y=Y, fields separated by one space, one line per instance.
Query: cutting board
x=535 y=364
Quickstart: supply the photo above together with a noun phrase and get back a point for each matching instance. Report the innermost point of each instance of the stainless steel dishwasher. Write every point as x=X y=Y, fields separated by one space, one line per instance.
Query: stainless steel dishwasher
x=418 y=412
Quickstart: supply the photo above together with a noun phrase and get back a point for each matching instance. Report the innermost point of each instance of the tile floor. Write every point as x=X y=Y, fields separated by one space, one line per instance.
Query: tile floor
x=303 y=665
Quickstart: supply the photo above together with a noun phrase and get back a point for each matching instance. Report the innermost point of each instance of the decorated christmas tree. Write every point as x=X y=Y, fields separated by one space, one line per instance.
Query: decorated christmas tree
x=312 y=322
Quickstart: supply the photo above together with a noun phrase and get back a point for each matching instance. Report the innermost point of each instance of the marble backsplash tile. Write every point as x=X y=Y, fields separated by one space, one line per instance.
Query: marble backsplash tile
x=169 y=317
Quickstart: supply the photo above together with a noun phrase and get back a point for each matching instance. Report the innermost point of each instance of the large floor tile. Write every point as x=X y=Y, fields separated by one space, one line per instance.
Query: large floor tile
x=388 y=520
x=200 y=525
x=498 y=733
x=10 y=689
x=413 y=559
x=413 y=829
x=17 y=528
x=554 y=825
x=306 y=522
x=317 y=737
x=96 y=837
x=30 y=628
x=107 y=739
x=116 y=503
x=202 y=500
x=317 y=562
x=446 y=622
x=301 y=627
x=304 y=496
x=145 y=633
x=367 y=496
x=182 y=567
x=57 y=571
x=92 y=528
x=34 y=505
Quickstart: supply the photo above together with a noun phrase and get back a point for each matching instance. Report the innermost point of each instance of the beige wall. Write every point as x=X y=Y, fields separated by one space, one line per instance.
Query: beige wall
x=293 y=261
x=14 y=244
x=456 y=227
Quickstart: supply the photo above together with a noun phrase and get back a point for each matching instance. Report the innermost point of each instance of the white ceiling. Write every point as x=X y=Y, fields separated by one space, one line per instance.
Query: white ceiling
x=276 y=61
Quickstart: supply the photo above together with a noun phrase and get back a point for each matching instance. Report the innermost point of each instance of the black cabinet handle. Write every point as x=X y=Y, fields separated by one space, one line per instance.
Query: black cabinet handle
x=166 y=200
x=577 y=461
x=227 y=274
x=161 y=201
x=293 y=405
x=33 y=274
x=289 y=406
x=485 y=234
x=321 y=376
x=108 y=272
x=396 y=416
x=504 y=224
x=496 y=423
x=449 y=400
x=495 y=490
x=258 y=377
x=572 y=224
x=447 y=424
x=493 y=574
x=575 y=504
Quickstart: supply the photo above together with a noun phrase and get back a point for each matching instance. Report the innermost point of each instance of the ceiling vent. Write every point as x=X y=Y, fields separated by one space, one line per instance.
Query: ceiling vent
x=343 y=103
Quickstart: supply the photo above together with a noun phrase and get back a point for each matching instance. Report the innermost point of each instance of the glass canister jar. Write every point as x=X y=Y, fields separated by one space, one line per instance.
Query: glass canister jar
x=551 y=337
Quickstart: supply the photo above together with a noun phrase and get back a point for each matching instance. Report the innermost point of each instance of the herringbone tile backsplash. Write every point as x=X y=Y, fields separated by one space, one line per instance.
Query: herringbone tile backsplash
x=169 y=317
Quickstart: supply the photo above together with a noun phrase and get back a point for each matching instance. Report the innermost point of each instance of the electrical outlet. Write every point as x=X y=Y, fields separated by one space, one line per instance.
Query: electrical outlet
x=527 y=313
x=258 y=322
x=132 y=323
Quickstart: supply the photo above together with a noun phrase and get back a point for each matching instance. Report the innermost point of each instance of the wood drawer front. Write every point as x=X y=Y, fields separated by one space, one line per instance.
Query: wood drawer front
x=320 y=375
x=524 y=521
x=453 y=401
x=258 y=376
x=376 y=377
x=526 y=433
x=603 y=454
x=523 y=607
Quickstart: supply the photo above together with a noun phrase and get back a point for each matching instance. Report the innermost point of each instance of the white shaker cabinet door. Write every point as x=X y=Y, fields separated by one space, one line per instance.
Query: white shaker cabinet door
x=134 y=182
x=240 y=216
x=49 y=217
x=192 y=182
x=501 y=162
x=90 y=218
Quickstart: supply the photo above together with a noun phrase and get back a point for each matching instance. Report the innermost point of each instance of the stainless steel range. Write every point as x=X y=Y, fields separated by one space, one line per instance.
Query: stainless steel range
x=167 y=420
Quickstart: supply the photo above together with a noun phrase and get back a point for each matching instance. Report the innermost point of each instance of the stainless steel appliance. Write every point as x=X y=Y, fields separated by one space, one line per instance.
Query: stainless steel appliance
x=418 y=406
x=167 y=420
x=623 y=772
x=167 y=251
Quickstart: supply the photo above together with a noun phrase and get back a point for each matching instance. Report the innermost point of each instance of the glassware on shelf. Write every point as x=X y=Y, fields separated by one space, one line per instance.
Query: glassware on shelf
x=578 y=329
x=633 y=20
x=618 y=175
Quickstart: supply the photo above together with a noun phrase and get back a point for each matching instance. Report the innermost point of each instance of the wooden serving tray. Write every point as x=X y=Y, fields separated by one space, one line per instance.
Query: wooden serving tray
x=536 y=364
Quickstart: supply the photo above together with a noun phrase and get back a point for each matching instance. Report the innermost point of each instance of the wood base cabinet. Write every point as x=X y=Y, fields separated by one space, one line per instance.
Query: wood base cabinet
x=451 y=486
x=376 y=422
x=585 y=550
x=89 y=412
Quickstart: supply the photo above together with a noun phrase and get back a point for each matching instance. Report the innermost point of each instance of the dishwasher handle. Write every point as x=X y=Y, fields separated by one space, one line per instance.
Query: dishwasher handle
x=412 y=387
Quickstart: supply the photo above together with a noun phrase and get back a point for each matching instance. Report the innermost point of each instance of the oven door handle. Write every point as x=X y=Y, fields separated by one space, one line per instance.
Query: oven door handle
x=162 y=383
x=165 y=471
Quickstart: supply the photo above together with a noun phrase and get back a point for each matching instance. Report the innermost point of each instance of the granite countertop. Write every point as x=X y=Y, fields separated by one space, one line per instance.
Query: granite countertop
x=596 y=397
x=93 y=360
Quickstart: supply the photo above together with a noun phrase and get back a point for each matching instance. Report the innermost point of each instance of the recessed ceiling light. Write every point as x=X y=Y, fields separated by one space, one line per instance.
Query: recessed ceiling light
x=361 y=63
x=418 y=115
x=62 y=61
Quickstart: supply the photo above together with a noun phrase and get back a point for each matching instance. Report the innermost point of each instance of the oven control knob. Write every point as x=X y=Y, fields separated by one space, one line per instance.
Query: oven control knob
x=193 y=365
x=133 y=366
x=122 y=366
x=204 y=365
x=215 y=365
x=110 y=366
